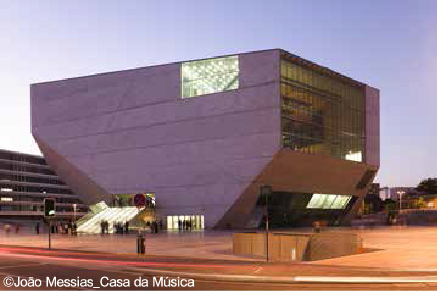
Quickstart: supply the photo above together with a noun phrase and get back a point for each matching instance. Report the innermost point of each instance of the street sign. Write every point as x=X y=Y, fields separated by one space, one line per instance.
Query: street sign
x=49 y=207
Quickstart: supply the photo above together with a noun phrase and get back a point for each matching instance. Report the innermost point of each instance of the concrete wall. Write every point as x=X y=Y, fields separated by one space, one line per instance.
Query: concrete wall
x=289 y=247
x=130 y=132
x=372 y=126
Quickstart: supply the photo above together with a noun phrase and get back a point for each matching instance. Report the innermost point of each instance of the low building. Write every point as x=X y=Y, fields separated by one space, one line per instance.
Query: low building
x=25 y=180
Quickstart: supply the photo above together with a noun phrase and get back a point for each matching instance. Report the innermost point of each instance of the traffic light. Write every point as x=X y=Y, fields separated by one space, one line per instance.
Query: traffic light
x=49 y=207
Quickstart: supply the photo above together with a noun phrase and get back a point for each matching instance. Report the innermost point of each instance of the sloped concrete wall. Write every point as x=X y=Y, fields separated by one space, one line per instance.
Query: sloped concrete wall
x=130 y=132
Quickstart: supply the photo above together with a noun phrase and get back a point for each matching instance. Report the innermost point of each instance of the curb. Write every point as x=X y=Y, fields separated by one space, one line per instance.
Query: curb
x=291 y=279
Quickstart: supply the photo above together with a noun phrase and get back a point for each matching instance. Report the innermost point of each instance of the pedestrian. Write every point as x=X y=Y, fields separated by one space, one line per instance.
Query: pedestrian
x=127 y=227
x=37 y=228
x=102 y=227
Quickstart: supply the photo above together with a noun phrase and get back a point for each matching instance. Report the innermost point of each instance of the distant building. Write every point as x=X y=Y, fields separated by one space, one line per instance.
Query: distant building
x=384 y=193
x=373 y=189
x=372 y=201
x=396 y=192
x=25 y=180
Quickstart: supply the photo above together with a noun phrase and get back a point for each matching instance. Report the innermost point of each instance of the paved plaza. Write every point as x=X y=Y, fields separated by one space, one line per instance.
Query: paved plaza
x=395 y=248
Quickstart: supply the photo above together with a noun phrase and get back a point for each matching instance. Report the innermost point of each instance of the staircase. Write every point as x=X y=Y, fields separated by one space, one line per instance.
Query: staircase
x=111 y=215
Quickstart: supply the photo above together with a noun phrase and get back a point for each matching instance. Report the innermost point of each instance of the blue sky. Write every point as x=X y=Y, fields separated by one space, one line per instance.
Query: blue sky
x=390 y=45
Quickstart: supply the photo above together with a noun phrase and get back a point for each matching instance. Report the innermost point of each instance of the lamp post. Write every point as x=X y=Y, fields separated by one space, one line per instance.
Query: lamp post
x=400 y=193
x=266 y=191
x=74 y=212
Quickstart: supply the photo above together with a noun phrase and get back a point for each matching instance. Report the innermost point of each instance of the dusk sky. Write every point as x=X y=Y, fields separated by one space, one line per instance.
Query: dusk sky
x=390 y=45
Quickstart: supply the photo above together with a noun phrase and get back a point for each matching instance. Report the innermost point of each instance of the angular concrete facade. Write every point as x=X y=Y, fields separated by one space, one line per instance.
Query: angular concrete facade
x=131 y=132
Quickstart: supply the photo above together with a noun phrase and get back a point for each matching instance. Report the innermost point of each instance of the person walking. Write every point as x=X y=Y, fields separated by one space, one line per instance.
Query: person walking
x=37 y=228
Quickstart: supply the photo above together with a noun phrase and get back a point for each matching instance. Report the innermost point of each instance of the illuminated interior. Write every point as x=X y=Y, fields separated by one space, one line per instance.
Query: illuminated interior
x=322 y=112
x=176 y=222
x=209 y=76
x=328 y=201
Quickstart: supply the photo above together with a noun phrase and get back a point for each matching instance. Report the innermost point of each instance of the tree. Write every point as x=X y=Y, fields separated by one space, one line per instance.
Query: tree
x=428 y=186
x=389 y=204
x=419 y=203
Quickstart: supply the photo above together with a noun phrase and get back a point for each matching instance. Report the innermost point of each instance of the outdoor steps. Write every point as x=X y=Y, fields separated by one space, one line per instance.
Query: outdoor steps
x=111 y=215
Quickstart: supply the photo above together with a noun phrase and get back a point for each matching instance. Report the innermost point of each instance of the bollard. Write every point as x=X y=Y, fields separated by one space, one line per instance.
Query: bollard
x=141 y=244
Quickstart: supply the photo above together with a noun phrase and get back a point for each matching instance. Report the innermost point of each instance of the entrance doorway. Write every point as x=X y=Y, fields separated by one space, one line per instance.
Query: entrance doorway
x=177 y=222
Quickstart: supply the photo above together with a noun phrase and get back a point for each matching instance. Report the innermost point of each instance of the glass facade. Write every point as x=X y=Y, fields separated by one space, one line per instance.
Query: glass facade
x=321 y=113
x=176 y=222
x=209 y=76
x=328 y=201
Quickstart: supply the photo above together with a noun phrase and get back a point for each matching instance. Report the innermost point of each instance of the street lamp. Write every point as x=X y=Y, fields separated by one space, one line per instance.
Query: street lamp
x=400 y=193
x=74 y=211
x=267 y=191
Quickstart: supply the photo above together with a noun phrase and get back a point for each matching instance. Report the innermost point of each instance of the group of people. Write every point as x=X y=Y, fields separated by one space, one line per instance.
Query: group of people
x=119 y=227
x=8 y=228
x=154 y=226
x=185 y=225
x=55 y=227
x=104 y=226
x=68 y=227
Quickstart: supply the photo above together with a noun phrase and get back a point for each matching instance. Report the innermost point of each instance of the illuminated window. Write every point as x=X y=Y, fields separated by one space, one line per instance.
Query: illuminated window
x=354 y=156
x=322 y=113
x=209 y=76
x=328 y=201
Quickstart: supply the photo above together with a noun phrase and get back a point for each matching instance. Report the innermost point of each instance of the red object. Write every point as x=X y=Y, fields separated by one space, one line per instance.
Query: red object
x=140 y=200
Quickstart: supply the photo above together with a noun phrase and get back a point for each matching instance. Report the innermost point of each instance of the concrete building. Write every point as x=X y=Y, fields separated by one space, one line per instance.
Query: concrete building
x=25 y=180
x=204 y=135
x=397 y=192
x=384 y=193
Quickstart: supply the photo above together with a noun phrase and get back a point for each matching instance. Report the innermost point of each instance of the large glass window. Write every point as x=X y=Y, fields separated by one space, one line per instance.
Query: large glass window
x=176 y=222
x=328 y=201
x=322 y=113
x=209 y=76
